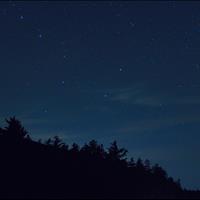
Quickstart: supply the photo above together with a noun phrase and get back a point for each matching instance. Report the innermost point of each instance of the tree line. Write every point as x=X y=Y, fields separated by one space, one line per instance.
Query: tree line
x=53 y=169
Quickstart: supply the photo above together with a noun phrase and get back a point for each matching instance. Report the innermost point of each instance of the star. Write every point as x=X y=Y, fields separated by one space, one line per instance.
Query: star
x=118 y=33
x=132 y=24
x=40 y=35
x=45 y=110
x=179 y=85
x=118 y=15
x=161 y=105
x=197 y=66
x=62 y=82
x=21 y=17
x=105 y=95
x=120 y=69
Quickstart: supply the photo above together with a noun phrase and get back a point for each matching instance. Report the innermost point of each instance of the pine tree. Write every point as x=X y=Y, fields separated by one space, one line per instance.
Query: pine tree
x=15 y=130
x=116 y=153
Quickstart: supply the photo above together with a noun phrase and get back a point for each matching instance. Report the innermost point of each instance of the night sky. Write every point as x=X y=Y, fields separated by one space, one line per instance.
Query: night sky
x=125 y=71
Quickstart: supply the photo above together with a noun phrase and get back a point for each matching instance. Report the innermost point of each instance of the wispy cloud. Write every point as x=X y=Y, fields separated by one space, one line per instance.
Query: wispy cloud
x=149 y=125
x=148 y=95
x=143 y=95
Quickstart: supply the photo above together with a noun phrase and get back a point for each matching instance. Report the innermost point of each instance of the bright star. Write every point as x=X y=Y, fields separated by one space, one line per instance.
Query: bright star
x=106 y=95
x=132 y=24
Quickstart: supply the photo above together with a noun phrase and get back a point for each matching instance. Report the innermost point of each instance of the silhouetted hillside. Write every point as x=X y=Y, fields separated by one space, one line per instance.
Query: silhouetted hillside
x=52 y=169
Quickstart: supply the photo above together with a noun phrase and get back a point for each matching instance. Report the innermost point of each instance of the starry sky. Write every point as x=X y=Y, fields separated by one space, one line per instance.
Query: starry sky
x=107 y=70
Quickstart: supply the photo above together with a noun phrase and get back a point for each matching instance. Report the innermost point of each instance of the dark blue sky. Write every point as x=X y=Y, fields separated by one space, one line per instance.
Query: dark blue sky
x=107 y=70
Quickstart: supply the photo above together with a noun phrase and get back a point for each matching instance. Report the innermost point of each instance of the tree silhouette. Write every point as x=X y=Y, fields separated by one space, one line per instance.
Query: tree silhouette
x=14 y=130
x=159 y=171
x=94 y=149
x=116 y=153
x=57 y=142
x=48 y=142
x=147 y=165
x=31 y=169
x=40 y=141
x=75 y=148
x=131 y=163
x=140 y=165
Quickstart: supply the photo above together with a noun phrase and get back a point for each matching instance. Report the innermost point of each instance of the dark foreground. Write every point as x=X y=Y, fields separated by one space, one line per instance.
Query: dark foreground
x=50 y=169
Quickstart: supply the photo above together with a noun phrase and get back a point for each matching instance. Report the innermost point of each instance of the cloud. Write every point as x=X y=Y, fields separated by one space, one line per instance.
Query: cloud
x=144 y=95
x=149 y=125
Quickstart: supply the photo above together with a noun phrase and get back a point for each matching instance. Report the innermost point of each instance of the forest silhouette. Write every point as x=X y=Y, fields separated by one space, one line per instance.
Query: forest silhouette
x=53 y=169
